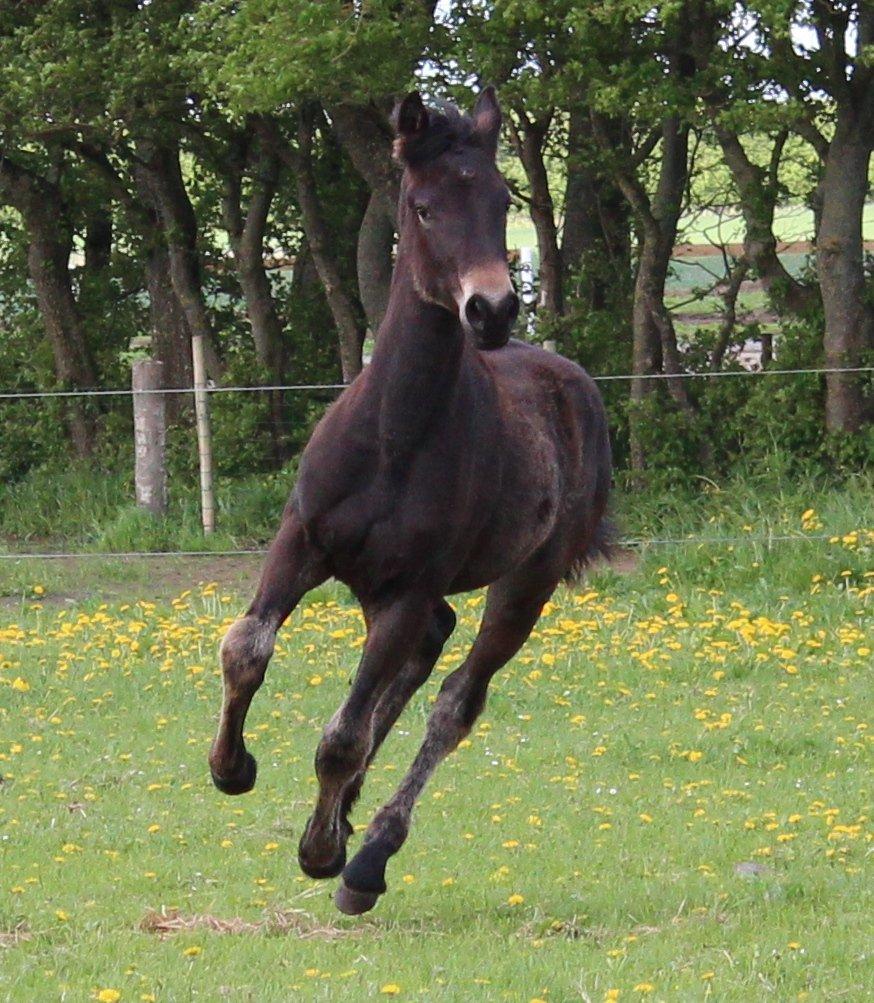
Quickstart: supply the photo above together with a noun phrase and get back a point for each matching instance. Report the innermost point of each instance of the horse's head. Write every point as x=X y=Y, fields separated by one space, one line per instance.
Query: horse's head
x=453 y=214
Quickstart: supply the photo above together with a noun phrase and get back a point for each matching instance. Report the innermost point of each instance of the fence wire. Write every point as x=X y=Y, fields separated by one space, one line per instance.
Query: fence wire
x=122 y=392
x=630 y=544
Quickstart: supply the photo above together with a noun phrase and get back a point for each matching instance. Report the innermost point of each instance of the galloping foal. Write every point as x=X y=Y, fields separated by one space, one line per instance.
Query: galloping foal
x=457 y=459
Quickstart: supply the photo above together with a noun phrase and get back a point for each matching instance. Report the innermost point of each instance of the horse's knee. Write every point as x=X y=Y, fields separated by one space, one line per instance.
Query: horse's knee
x=341 y=752
x=245 y=652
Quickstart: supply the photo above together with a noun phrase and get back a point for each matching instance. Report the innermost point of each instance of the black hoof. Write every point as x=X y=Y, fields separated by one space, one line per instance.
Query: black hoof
x=240 y=782
x=352 y=902
x=317 y=870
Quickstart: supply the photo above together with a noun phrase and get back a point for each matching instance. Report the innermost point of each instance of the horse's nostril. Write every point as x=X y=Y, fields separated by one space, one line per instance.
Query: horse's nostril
x=476 y=311
x=513 y=311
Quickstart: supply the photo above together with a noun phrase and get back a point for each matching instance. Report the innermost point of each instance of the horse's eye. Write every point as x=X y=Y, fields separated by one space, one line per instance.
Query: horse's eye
x=423 y=212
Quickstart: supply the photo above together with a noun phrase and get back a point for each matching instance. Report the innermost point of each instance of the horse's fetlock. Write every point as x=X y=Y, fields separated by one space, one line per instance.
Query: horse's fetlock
x=390 y=828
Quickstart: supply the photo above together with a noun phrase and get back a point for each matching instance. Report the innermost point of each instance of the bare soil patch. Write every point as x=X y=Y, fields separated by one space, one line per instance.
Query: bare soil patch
x=166 y=922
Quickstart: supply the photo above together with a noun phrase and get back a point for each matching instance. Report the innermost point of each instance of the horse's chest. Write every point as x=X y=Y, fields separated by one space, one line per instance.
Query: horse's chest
x=385 y=521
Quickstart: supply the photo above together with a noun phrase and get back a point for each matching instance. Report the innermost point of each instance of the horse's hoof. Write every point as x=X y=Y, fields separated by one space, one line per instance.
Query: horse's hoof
x=316 y=869
x=240 y=782
x=353 y=902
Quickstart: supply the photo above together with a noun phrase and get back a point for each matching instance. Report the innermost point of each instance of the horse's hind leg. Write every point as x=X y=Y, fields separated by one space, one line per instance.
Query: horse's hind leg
x=396 y=629
x=398 y=694
x=292 y=567
x=511 y=611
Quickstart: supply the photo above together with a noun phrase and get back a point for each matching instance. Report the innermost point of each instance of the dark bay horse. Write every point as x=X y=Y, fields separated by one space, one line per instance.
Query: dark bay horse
x=457 y=459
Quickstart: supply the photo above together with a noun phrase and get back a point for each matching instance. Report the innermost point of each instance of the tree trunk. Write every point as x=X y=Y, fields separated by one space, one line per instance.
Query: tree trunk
x=376 y=238
x=350 y=329
x=163 y=174
x=646 y=343
x=366 y=137
x=654 y=344
x=171 y=338
x=98 y=240
x=849 y=318
x=170 y=335
x=737 y=274
x=50 y=243
x=246 y=227
x=529 y=139
x=48 y=259
x=757 y=189
x=595 y=245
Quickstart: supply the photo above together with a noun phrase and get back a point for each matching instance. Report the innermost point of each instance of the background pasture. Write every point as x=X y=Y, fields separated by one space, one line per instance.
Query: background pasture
x=668 y=796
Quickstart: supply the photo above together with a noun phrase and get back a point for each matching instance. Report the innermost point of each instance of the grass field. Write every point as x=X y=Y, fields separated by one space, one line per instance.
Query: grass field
x=667 y=798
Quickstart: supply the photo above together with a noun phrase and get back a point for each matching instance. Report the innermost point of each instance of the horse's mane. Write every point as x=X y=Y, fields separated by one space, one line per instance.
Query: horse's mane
x=447 y=128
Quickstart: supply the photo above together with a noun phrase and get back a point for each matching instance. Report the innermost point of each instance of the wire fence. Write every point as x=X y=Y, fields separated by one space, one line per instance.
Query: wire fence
x=765 y=540
x=276 y=388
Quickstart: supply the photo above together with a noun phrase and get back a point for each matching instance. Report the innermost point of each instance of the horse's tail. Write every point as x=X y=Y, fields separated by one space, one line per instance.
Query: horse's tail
x=599 y=542
x=601 y=545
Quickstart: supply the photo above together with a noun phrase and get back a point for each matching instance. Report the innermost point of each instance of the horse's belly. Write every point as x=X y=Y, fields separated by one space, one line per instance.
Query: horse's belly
x=520 y=526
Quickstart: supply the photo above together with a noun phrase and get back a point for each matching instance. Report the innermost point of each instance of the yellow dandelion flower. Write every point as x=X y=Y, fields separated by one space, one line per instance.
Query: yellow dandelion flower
x=108 y=996
x=515 y=899
x=390 y=989
x=193 y=951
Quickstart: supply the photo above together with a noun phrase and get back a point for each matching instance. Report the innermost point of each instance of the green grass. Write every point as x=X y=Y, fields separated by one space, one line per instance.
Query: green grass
x=669 y=788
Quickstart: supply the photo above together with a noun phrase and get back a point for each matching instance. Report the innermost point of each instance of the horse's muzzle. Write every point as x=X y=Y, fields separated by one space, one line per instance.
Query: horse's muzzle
x=491 y=322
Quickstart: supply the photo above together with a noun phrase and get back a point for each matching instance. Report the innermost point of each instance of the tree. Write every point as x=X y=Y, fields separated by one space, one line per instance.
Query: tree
x=39 y=197
x=805 y=67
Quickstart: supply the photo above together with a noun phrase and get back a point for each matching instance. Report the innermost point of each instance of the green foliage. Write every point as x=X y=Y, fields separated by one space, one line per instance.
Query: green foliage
x=79 y=76
x=337 y=52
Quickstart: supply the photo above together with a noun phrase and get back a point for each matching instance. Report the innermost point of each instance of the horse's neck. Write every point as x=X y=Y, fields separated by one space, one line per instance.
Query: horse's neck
x=417 y=360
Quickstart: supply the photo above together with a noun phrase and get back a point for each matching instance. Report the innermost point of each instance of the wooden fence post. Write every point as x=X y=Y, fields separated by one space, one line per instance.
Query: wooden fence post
x=204 y=435
x=150 y=431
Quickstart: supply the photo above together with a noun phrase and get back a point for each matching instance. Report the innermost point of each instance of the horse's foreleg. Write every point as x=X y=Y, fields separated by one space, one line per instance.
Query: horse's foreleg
x=506 y=625
x=292 y=567
x=395 y=629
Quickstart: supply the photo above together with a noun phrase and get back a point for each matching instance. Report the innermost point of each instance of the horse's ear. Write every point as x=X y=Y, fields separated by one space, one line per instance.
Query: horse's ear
x=411 y=116
x=487 y=119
